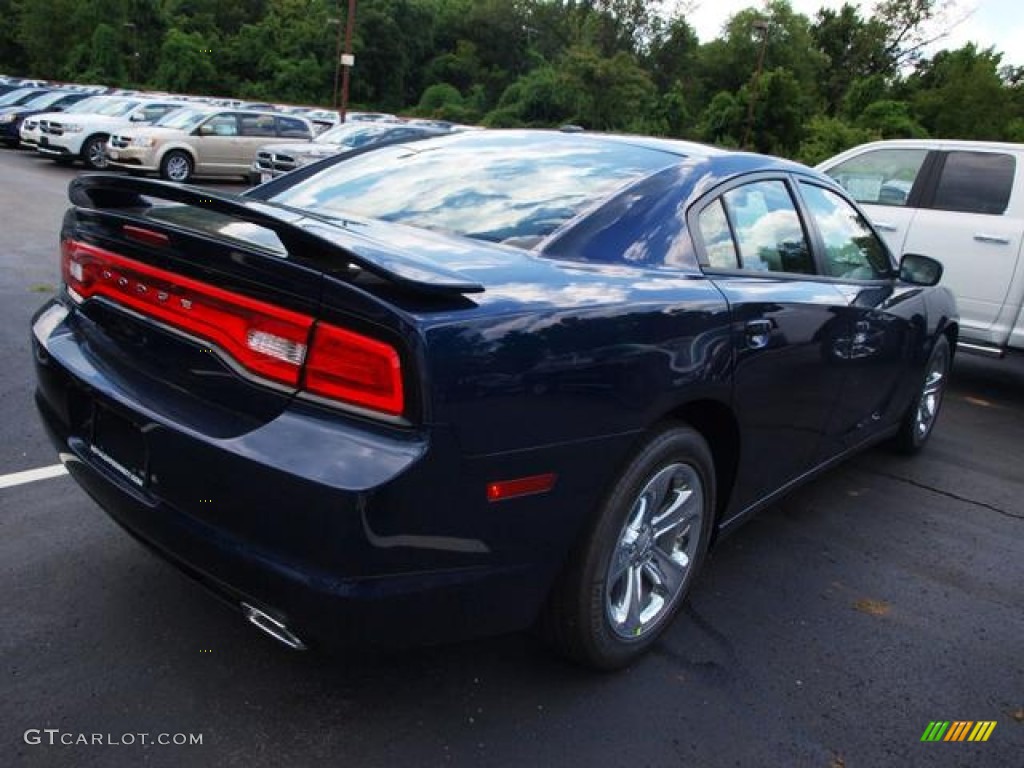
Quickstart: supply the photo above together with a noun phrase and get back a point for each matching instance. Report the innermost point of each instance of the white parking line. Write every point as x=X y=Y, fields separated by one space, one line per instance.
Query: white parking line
x=31 y=475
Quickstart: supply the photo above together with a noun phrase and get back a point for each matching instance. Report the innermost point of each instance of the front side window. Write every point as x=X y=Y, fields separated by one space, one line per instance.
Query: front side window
x=975 y=182
x=769 y=235
x=220 y=125
x=852 y=251
x=880 y=177
x=153 y=112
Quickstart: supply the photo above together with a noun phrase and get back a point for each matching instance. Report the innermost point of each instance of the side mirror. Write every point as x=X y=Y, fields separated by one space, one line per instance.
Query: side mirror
x=205 y=130
x=138 y=117
x=920 y=270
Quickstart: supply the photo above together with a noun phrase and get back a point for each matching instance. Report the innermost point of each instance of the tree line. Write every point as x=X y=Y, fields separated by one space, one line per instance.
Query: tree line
x=775 y=81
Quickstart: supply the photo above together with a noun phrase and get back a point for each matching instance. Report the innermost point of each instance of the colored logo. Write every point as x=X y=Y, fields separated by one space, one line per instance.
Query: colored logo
x=958 y=730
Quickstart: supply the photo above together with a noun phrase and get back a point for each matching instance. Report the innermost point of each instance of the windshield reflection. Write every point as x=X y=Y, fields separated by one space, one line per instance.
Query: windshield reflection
x=496 y=186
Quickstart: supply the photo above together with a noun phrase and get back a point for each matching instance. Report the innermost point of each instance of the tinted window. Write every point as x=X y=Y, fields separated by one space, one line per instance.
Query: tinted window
x=769 y=235
x=851 y=249
x=975 y=182
x=717 y=237
x=492 y=186
x=882 y=177
x=257 y=125
x=291 y=128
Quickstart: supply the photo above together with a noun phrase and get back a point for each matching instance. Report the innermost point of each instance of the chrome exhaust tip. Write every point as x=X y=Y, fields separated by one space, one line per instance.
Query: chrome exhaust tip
x=271 y=626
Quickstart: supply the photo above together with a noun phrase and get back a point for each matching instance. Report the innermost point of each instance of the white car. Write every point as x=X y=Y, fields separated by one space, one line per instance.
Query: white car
x=83 y=136
x=961 y=202
x=30 y=130
x=203 y=142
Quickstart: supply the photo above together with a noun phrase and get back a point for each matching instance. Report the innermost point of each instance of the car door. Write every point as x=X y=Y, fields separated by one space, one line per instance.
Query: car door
x=787 y=319
x=887 y=183
x=882 y=320
x=215 y=143
x=255 y=131
x=968 y=220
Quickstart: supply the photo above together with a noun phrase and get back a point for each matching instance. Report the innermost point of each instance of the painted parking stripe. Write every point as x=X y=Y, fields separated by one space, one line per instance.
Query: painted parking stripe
x=31 y=475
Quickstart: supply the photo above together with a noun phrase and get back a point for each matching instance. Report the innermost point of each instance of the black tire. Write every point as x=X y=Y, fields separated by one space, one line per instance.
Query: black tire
x=919 y=420
x=177 y=165
x=94 y=153
x=581 y=619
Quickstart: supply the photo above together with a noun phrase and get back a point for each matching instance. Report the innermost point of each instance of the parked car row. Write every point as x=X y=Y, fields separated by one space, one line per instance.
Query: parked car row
x=180 y=137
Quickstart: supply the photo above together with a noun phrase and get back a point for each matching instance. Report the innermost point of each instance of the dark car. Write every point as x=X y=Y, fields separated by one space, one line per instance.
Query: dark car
x=11 y=118
x=20 y=95
x=461 y=386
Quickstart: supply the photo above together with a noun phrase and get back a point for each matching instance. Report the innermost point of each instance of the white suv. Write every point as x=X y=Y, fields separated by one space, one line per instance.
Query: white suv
x=83 y=136
x=961 y=202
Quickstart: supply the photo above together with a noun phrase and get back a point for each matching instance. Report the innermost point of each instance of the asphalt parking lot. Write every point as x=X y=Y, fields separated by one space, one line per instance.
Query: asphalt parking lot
x=828 y=632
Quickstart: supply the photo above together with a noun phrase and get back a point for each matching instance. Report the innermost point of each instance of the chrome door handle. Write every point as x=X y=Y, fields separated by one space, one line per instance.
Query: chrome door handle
x=994 y=239
x=885 y=226
x=758 y=333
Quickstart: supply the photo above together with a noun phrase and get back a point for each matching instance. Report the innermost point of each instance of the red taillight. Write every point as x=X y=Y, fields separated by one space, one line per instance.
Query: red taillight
x=267 y=340
x=348 y=366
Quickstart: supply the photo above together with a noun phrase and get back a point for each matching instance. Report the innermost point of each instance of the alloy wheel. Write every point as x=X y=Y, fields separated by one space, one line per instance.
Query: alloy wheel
x=654 y=552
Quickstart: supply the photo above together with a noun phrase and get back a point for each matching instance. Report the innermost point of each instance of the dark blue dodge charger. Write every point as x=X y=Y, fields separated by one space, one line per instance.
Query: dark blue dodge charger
x=478 y=383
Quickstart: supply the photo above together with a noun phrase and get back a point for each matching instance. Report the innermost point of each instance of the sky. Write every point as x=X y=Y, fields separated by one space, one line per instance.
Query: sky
x=998 y=23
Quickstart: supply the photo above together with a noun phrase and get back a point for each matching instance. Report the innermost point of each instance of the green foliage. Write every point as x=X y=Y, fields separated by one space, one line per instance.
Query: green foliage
x=960 y=93
x=186 y=64
x=891 y=120
x=828 y=136
x=776 y=81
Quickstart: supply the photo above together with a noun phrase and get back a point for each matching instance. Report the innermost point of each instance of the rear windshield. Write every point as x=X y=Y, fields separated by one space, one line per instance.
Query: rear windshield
x=491 y=185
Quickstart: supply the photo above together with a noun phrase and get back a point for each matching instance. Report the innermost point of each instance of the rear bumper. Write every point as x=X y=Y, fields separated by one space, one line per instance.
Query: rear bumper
x=340 y=533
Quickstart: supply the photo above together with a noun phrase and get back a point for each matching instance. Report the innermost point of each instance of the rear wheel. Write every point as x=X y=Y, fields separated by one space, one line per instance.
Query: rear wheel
x=94 y=153
x=628 y=577
x=176 y=166
x=920 y=418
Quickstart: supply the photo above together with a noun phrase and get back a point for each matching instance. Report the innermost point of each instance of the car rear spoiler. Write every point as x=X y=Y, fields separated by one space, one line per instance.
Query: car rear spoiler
x=297 y=231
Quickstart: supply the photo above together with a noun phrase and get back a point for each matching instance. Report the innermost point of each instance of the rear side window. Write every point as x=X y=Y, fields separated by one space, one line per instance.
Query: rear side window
x=975 y=182
x=717 y=237
x=881 y=176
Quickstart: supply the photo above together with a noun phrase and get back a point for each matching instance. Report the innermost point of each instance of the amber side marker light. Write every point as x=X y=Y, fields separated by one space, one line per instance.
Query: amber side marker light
x=523 y=486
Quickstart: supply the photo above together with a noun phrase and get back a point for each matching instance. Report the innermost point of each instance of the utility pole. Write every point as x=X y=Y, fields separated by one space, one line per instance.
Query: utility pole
x=761 y=26
x=337 y=58
x=135 y=50
x=347 y=59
